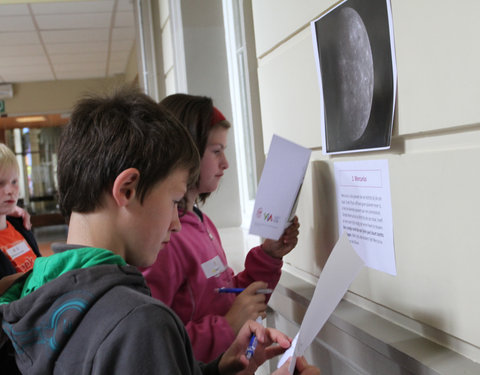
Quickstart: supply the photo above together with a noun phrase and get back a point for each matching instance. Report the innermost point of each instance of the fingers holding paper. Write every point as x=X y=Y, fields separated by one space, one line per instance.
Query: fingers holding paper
x=286 y=243
x=302 y=367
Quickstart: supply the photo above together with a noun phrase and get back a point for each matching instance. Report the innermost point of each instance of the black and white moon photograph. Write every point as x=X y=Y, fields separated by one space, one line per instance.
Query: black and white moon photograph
x=357 y=73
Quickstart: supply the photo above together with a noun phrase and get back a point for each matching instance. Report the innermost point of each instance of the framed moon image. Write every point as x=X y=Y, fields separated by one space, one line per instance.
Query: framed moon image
x=355 y=56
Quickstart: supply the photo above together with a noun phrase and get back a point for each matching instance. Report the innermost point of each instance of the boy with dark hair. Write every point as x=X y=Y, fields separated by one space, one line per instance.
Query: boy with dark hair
x=123 y=167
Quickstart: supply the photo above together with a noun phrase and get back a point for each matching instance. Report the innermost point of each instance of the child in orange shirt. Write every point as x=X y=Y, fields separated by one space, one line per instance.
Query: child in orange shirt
x=17 y=244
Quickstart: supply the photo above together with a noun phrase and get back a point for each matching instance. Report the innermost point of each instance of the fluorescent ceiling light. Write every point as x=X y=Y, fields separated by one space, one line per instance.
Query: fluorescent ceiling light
x=31 y=119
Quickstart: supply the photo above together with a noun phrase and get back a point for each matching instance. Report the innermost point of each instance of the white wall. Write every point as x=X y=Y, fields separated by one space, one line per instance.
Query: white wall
x=433 y=168
x=206 y=74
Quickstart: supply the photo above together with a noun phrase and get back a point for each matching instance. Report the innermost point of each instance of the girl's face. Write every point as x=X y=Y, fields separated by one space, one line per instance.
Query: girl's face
x=214 y=161
x=8 y=190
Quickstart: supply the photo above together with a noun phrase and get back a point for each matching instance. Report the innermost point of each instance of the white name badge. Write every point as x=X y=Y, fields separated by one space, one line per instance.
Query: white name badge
x=213 y=267
x=18 y=250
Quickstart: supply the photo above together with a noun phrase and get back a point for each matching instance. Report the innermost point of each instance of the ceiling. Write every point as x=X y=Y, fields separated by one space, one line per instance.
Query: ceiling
x=45 y=41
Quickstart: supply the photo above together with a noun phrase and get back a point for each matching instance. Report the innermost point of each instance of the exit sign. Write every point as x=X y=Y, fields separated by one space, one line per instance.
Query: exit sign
x=2 y=106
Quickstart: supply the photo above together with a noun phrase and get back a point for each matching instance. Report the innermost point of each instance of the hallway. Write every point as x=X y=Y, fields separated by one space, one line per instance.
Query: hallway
x=45 y=236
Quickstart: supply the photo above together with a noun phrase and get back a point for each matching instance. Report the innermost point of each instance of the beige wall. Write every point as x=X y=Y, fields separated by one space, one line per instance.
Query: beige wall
x=131 y=71
x=60 y=96
x=54 y=96
x=432 y=161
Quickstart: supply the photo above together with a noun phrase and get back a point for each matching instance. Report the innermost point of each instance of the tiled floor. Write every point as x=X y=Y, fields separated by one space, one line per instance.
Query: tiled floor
x=237 y=243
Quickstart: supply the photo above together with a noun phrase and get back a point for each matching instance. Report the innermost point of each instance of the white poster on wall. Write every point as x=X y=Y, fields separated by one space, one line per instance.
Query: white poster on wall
x=365 y=211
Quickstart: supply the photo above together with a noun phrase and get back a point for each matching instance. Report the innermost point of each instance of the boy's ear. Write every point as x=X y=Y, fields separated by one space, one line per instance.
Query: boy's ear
x=125 y=185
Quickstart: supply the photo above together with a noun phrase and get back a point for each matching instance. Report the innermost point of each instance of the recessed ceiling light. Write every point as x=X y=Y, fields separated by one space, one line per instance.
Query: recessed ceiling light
x=31 y=119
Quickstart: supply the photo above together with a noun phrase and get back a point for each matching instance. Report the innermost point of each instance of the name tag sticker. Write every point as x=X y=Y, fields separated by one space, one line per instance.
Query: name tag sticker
x=18 y=250
x=213 y=267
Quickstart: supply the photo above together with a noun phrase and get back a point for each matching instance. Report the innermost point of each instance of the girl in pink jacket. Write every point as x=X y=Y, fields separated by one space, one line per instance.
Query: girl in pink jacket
x=192 y=266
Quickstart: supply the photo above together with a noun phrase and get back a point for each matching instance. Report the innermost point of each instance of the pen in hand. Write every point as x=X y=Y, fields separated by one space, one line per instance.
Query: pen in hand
x=253 y=342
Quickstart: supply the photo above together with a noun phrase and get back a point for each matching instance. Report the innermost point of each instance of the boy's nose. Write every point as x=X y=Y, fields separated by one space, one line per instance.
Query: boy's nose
x=175 y=225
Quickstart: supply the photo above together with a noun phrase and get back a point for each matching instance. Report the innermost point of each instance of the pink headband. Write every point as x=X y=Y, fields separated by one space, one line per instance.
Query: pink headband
x=217 y=116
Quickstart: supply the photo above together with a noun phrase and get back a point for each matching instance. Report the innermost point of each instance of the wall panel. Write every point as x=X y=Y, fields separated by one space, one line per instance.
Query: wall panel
x=433 y=202
x=277 y=20
x=289 y=93
x=433 y=159
x=438 y=79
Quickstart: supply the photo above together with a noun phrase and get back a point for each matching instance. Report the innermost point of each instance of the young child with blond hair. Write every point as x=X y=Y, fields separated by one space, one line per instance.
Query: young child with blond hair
x=18 y=246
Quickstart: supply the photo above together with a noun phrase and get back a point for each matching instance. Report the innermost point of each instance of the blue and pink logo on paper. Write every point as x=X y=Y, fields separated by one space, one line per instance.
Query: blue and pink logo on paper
x=267 y=217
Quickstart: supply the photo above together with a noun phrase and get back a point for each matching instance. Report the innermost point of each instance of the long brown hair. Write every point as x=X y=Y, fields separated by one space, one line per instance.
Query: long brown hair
x=196 y=114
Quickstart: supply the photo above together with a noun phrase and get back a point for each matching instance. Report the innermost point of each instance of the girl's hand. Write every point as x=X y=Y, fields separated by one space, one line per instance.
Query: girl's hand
x=285 y=244
x=247 y=305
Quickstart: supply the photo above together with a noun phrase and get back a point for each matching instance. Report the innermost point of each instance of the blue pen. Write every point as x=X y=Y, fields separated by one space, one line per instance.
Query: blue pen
x=240 y=290
x=253 y=342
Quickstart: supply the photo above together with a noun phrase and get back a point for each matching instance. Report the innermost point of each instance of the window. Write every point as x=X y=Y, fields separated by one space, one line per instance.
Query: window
x=241 y=104
x=146 y=49
x=36 y=154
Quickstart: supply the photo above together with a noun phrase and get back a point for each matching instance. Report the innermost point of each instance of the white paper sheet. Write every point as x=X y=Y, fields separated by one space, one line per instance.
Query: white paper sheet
x=341 y=268
x=365 y=211
x=279 y=187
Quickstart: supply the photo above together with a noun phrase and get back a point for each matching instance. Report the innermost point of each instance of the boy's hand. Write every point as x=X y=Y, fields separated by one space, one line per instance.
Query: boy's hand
x=285 y=244
x=247 y=305
x=20 y=212
x=270 y=343
x=301 y=368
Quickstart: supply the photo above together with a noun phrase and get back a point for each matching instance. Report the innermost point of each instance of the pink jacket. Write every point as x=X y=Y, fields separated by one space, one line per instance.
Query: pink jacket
x=186 y=273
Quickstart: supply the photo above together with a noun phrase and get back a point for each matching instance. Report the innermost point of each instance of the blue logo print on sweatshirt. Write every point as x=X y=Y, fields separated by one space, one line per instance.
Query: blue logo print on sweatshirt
x=59 y=327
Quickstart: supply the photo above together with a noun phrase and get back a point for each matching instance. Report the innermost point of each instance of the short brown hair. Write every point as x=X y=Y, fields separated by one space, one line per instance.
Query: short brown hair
x=109 y=134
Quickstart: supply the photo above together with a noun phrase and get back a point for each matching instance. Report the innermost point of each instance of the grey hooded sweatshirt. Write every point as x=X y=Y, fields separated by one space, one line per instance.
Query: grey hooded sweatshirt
x=84 y=311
